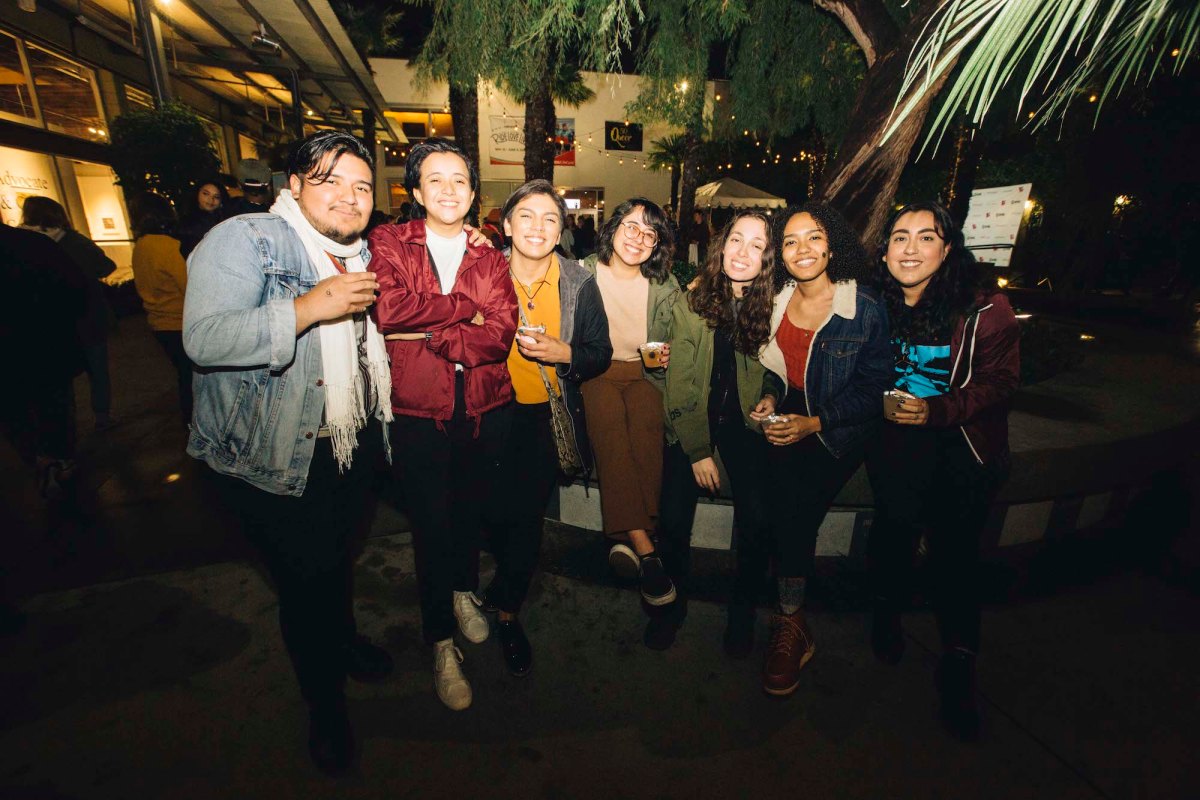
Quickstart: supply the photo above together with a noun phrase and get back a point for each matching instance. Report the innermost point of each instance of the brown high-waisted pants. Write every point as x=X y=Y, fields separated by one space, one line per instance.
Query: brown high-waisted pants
x=625 y=423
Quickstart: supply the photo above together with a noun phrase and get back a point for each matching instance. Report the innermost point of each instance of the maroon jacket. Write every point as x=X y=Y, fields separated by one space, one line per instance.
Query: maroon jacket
x=985 y=352
x=411 y=301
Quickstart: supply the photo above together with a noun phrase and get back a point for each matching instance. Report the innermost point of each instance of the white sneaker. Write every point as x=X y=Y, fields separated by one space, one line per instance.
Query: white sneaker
x=452 y=687
x=624 y=561
x=471 y=621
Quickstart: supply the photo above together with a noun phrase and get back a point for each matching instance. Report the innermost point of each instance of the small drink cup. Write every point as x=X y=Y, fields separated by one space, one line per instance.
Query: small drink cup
x=652 y=354
x=528 y=329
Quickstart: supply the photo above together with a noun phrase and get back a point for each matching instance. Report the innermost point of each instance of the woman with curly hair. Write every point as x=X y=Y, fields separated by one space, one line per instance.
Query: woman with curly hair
x=623 y=406
x=956 y=367
x=714 y=385
x=829 y=344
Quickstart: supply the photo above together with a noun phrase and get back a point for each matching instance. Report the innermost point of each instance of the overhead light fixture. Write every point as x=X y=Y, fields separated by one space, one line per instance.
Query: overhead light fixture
x=27 y=5
x=261 y=40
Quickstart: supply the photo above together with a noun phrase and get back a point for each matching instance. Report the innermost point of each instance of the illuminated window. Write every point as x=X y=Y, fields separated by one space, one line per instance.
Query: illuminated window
x=66 y=92
x=16 y=96
x=138 y=100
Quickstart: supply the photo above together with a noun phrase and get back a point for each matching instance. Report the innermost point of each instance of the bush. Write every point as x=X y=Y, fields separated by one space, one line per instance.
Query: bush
x=165 y=150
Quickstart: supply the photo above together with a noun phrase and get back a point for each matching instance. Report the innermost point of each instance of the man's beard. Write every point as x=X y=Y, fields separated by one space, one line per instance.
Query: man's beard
x=340 y=237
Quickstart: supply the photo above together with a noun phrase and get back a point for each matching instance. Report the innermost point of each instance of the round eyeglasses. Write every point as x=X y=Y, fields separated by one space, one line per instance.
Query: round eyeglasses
x=647 y=236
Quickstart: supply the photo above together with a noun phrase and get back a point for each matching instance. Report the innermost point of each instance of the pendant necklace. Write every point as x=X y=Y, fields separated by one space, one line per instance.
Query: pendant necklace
x=529 y=297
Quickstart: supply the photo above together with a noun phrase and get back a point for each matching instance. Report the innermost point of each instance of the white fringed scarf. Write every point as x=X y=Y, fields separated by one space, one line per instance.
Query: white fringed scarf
x=345 y=395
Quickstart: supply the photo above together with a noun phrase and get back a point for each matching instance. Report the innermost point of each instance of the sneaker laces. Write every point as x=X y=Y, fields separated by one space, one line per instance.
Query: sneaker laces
x=788 y=636
x=443 y=661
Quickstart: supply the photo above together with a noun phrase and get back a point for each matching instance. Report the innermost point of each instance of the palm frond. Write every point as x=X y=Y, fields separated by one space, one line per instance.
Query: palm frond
x=1057 y=49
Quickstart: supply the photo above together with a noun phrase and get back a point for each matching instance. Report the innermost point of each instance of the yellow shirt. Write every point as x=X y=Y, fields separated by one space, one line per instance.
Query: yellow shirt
x=160 y=275
x=526 y=377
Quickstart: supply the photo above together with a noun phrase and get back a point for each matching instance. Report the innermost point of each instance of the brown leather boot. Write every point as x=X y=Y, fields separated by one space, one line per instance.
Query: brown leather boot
x=790 y=648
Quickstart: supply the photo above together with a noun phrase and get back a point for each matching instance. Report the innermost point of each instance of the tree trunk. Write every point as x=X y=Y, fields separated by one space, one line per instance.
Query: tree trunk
x=689 y=171
x=968 y=152
x=675 y=170
x=861 y=181
x=540 y=120
x=464 y=109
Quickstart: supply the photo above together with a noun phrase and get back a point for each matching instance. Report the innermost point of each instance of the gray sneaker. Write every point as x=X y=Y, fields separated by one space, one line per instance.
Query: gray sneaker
x=624 y=561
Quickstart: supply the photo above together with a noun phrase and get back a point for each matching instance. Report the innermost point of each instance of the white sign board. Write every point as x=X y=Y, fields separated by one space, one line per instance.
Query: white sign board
x=994 y=218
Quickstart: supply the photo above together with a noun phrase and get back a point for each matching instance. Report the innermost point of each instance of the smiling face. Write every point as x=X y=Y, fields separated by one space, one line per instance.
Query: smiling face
x=915 y=251
x=534 y=226
x=445 y=190
x=208 y=198
x=634 y=240
x=340 y=205
x=742 y=254
x=805 y=248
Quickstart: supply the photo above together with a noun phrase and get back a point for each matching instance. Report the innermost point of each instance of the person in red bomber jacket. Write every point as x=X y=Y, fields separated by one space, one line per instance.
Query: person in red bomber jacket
x=943 y=452
x=448 y=312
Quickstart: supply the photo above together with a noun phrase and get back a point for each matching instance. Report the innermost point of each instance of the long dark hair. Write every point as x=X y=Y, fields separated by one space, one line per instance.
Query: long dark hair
x=713 y=291
x=950 y=292
x=221 y=190
x=848 y=259
x=658 y=266
x=152 y=213
x=304 y=157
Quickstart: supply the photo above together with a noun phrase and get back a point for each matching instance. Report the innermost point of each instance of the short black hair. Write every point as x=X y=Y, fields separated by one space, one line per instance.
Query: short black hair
x=848 y=259
x=152 y=214
x=416 y=157
x=529 y=189
x=306 y=154
x=658 y=266
x=43 y=212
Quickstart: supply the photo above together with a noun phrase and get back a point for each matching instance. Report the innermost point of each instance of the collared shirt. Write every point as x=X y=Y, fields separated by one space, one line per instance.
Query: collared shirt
x=547 y=310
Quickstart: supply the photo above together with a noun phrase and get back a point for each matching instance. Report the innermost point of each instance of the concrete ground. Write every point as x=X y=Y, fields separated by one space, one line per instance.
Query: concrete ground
x=150 y=664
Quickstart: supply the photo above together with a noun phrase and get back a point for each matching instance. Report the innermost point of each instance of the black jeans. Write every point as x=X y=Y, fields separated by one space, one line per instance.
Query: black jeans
x=805 y=478
x=528 y=470
x=743 y=455
x=172 y=344
x=306 y=545
x=445 y=475
x=926 y=480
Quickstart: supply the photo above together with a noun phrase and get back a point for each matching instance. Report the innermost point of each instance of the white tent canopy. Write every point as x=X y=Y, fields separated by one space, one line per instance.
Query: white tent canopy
x=728 y=193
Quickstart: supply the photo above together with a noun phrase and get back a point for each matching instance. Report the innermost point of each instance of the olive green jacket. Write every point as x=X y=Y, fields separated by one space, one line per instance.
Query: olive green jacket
x=658 y=316
x=689 y=377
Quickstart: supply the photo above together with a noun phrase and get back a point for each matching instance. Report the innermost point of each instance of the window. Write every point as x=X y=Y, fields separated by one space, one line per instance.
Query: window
x=16 y=95
x=67 y=94
x=137 y=99
x=395 y=155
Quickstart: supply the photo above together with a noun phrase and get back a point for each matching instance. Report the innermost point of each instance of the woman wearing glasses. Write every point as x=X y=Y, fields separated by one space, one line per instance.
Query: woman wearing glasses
x=623 y=406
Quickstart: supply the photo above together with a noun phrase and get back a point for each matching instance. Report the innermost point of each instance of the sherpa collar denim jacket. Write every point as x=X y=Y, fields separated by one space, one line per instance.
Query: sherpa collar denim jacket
x=259 y=395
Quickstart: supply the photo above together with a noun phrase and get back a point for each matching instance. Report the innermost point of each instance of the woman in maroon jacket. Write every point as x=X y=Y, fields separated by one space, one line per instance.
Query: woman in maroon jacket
x=448 y=311
x=939 y=462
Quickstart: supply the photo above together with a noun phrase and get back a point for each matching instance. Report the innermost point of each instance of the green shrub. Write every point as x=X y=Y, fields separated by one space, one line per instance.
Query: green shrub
x=165 y=150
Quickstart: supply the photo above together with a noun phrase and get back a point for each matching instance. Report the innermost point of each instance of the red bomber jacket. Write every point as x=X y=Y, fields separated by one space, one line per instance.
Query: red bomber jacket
x=985 y=352
x=411 y=301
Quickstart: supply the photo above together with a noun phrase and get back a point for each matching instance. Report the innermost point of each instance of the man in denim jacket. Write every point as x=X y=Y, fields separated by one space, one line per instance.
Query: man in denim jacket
x=291 y=404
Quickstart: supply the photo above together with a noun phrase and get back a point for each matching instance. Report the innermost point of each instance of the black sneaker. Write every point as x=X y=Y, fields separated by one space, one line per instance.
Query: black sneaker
x=955 y=681
x=330 y=738
x=739 y=631
x=887 y=637
x=664 y=624
x=656 y=586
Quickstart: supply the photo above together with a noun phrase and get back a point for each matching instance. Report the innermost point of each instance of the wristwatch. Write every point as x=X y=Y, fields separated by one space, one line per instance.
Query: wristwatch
x=429 y=339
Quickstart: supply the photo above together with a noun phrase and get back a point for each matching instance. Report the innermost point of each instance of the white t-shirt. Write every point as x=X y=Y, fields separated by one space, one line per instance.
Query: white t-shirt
x=447 y=256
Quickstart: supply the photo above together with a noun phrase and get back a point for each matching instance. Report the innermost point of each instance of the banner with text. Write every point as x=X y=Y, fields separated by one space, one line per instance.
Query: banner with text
x=994 y=218
x=508 y=141
x=622 y=136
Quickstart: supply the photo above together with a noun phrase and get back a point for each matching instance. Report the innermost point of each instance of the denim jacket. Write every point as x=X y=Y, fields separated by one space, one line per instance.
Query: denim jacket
x=849 y=365
x=259 y=396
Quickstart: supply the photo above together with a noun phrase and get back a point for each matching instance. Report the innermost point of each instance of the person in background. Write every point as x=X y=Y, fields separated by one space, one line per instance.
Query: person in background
x=491 y=229
x=48 y=217
x=562 y=296
x=566 y=240
x=829 y=346
x=943 y=453
x=585 y=238
x=209 y=205
x=292 y=409
x=698 y=236
x=715 y=383
x=41 y=345
x=624 y=406
x=160 y=275
x=254 y=178
x=449 y=313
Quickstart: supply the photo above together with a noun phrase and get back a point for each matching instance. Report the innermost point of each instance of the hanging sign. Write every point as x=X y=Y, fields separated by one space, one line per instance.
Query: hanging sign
x=622 y=136
x=508 y=141
x=994 y=218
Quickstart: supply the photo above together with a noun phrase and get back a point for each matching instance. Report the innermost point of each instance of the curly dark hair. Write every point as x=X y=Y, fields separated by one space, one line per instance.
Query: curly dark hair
x=950 y=292
x=658 y=266
x=848 y=259
x=710 y=297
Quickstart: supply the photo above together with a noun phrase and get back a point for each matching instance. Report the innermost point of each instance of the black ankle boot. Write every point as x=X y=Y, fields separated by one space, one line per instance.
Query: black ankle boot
x=887 y=637
x=955 y=681
x=330 y=737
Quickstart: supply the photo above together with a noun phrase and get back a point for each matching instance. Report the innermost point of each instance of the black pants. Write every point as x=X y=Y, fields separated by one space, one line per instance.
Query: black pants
x=928 y=481
x=306 y=544
x=743 y=455
x=172 y=344
x=445 y=475
x=805 y=478
x=528 y=470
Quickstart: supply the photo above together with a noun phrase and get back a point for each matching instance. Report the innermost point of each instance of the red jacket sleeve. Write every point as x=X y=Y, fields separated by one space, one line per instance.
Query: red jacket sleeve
x=401 y=308
x=471 y=345
x=995 y=368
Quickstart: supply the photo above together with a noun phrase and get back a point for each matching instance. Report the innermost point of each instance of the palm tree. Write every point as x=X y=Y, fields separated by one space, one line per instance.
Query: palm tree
x=668 y=154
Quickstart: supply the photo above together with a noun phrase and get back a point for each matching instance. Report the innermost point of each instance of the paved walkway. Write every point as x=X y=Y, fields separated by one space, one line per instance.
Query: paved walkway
x=150 y=666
